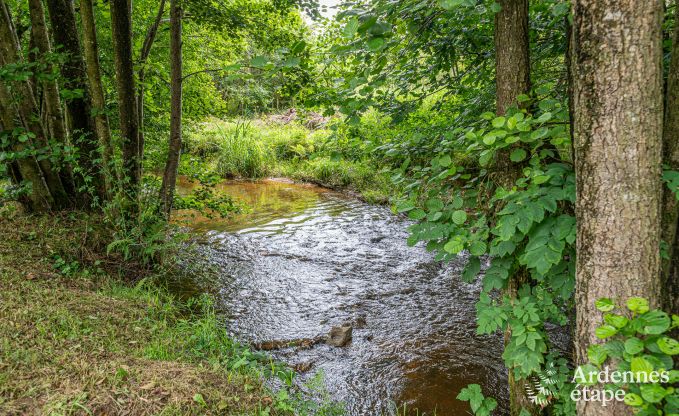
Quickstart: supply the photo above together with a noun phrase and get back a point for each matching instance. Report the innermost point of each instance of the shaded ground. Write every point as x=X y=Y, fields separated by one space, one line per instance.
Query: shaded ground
x=73 y=342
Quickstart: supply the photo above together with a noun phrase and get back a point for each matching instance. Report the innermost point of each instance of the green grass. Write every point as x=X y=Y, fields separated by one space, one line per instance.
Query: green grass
x=254 y=149
x=84 y=340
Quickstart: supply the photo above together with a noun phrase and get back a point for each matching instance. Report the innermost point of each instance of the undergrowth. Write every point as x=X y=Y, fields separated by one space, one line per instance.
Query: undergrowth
x=82 y=336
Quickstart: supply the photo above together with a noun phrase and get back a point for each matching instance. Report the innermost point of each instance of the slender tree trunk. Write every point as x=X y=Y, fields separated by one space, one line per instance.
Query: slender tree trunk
x=65 y=33
x=670 y=220
x=121 y=27
x=141 y=74
x=512 y=78
x=618 y=142
x=55 y=115
x=91 y=49
x=27 y=108
x=172 y=164
x=24 y=168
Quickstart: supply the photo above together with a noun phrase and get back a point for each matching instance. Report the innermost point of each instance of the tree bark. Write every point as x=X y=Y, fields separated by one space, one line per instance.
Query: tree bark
x=55 y=115
x=670 y=220
x=91 y=49
x=512 y=78
x=618 y=141
x=79 y=112
x=141 y=74
x=27 y=109
x=121 y=26
x=172 y=163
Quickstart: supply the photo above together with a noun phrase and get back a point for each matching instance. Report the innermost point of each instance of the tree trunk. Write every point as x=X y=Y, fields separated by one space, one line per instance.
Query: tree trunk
x=141 y=74
x=172 y=164
x=512 y=78
x=91 y=49
x=27 y=108
x=671 y=158
x=618 y=142
x=55 y=115
x=65 y=33
x=121 y=27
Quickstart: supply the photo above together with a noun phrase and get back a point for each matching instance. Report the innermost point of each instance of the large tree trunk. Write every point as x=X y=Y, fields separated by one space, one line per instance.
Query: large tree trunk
x=121 y=26
x=512 y=78
x=175 y=145
x=27 y=109
x=98 y=102
x=618 y=141
x=670 y=220
x=79 y=112
x=141 y=74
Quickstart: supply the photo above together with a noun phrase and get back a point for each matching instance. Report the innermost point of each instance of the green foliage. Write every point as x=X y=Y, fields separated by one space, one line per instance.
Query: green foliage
x=639 y=340
x=481 y=406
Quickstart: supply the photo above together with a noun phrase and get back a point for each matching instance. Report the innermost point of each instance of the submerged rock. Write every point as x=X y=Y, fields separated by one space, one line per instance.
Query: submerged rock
x=339 y=336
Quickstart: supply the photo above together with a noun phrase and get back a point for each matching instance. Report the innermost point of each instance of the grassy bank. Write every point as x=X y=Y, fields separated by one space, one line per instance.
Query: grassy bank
x=76 y=337
x=259 y=148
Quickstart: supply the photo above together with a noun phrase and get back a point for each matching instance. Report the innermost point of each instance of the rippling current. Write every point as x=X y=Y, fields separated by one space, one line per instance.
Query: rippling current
x=306 y=259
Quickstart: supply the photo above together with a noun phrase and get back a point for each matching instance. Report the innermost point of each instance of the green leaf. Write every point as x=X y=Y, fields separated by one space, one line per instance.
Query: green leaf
x=637 y=305
x=417 y=214
x=404 y=206
x=454 y=245
x=471 y=270
x=634 y=346
x=350 y=29
x=634 y=400
x=655 y=322
x=605 y=304
x=259 y=61
x=499 y=122
x=668 y=345
x=640 y=365
x=478 y=248
x=596 y=354
x=374 y=44
x=445 y=161
x=450 y=4
x=653 y=393
x=605 y=331
x=517 y=155
x=459 y=217
x=617 y=321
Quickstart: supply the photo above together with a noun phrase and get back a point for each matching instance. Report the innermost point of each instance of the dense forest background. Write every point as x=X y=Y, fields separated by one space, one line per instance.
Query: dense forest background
x=540 y=137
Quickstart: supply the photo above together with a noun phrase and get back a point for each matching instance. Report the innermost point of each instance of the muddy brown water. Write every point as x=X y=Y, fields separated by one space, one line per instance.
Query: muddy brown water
x=306 y=258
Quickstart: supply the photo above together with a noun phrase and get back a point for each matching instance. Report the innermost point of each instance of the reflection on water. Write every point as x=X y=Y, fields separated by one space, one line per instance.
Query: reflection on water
x=306 y=259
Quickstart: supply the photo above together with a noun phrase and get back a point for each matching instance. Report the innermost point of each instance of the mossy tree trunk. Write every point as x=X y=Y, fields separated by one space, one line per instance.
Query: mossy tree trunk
x=65 y=33
x=512 y=78
x=174 y=150
x=121 y=26
x=670 y=220
x=91 y=49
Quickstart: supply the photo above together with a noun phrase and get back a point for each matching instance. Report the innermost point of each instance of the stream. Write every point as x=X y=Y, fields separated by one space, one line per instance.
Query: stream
x=306 y=259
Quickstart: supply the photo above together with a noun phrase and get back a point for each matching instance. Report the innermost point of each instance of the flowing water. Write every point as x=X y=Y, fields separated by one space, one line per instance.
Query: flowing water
x=306 y=259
